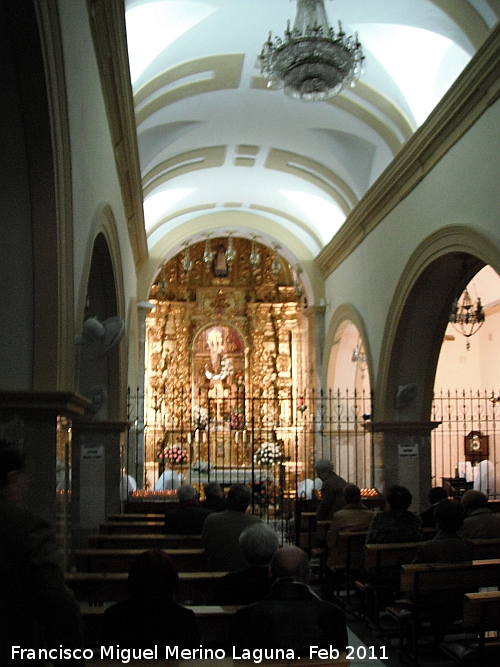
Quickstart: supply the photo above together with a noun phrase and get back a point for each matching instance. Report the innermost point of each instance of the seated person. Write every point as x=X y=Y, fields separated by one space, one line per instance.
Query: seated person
x=436 y=494
x=447 y=546
x=291 y=616
x=397 y=524
x=150 y=616
x=214 y=497
x=189 y=517
x=222 y=530
x=354 y=516
x=258 y=543
x=480 y=522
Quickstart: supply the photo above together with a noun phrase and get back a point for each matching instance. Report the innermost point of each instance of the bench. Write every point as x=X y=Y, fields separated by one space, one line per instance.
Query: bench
x=145 y=541
x=349 y=555
x=380 y=581
x=136 y=516
x=127 y=527
x=120 y=560
x=432 y=590
x=97 y=588
x=214 y=623
x=481 y=613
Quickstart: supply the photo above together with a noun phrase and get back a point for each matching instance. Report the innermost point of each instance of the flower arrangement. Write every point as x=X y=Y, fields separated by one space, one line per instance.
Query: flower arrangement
x=200 y=416
x=267 y=493
x=268 y=453
x=174 y=454
x=201 y=467
x=237 y=419
x=239 y=379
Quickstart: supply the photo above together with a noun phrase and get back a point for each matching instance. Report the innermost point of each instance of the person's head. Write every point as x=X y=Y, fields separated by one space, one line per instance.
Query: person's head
x=152 y=576
x=473 y=500
x=290 y=562
x=352 y=494
x=186 y=492
x=258 y=544
x=238 y=497
x=213 y=490
x=323 y=468
x=399 y=498
x=449 y=515
x=12 y=465
x=436 y=494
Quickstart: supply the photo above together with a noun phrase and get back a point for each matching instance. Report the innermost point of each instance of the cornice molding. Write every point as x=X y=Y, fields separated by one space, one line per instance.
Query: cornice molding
x=477 y=88
x=107 y=24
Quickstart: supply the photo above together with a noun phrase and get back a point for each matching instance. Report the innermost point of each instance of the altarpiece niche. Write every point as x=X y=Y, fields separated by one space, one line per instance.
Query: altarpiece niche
x=226 y=358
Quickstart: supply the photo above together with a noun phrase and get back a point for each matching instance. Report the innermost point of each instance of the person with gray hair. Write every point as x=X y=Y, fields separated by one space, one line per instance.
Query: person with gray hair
x=480 y=522
x=258 y=543
x=291 y=616
x=332 y=488
x=222 y=530
x=188 y=518
x=37 y=609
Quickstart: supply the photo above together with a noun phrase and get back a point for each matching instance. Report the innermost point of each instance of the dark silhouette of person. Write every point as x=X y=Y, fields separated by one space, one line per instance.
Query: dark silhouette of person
x=214 y=497
x=189 y=517
x=447 y=546
x=436 y=494
x=258 y=544
x=395 y=524
x=37 y=609
x=150 y=616
x=222 y=530
x=292 y=616
x=480 y=522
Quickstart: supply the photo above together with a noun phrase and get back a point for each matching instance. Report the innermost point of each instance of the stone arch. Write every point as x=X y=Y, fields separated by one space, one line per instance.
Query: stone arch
x=437 y=272
x=102 y=296
x=344 y=318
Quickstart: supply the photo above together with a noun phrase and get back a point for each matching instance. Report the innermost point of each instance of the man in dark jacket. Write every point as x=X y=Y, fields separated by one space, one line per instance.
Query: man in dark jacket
x=291 y=616
x=189 y=517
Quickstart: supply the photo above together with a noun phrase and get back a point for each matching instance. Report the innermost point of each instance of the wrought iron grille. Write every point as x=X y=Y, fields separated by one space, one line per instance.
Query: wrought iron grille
x=270 y=441
x=466 y=446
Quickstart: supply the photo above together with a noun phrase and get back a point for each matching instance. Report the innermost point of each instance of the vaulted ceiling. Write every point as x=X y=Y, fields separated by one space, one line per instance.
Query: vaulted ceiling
x=220 y=152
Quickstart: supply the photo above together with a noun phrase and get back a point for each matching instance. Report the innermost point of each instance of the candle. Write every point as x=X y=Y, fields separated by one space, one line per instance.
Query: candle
x=189 y=438
x=244 y=437
x=197 y=435
x=236 y=437
x=204 y=436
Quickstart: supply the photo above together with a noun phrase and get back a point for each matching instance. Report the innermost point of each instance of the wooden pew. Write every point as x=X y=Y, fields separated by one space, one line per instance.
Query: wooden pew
x=481 y=613
x=435 y=587
x=127 y=527
x=136 y=516
x=120 y=560
x=97 y=588
x=145 y=541
x=213 y=623
x=349 y=557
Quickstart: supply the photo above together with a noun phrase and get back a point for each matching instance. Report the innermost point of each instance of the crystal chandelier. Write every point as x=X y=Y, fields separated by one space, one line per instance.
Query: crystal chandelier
x=313 y=62
x=466 y=317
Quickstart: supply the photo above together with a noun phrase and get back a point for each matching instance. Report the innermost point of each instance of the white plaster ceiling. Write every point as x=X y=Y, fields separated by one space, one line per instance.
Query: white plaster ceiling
x=219 y=151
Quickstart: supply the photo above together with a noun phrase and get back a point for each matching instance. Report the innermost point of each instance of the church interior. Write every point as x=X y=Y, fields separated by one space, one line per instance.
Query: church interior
x=212 y=275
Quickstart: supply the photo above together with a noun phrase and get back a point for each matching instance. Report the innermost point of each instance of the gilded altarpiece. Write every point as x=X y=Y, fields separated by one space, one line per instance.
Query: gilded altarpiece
x=226 y=358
